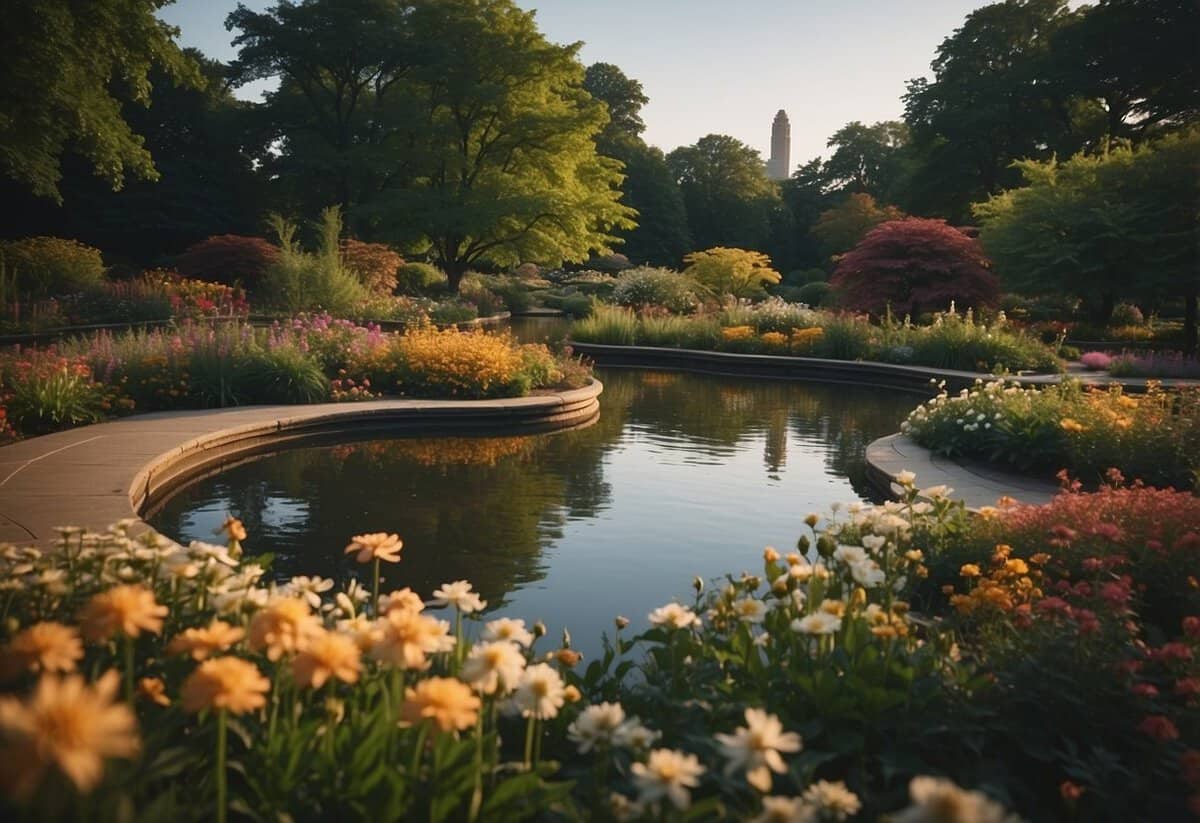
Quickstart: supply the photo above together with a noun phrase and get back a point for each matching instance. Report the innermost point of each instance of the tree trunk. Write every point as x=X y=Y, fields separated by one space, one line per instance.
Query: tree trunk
x=1101 y=312
x=1189 y=320
x=455 y=270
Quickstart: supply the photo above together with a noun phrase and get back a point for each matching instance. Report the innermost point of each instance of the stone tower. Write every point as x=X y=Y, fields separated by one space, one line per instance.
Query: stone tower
x=779 y=167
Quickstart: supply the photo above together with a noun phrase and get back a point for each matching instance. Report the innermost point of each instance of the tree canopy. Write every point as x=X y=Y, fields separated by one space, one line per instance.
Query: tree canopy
x=64 y=68
x=737 y=272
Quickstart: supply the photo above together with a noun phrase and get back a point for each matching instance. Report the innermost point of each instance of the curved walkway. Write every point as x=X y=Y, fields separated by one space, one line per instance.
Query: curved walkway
x=976 y=484
x=96 y=475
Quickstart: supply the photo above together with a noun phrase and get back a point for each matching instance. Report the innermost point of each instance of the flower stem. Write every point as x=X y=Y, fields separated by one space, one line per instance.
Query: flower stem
x=375 y=590
x=222 y=789
x=529 y=742
x=127 y=642
x=477 y=795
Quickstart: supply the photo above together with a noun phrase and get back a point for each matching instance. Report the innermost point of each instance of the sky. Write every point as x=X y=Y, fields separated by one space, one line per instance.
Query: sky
x=720 y=66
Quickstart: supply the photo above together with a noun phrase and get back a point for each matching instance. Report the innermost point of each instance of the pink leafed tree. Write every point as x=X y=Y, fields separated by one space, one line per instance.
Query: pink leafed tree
x=914 y=265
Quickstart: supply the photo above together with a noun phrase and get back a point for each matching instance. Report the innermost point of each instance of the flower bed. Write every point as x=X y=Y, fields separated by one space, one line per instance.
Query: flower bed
x=952 y=341
x=146 y=678
x=1154 y=437
x=307 y=360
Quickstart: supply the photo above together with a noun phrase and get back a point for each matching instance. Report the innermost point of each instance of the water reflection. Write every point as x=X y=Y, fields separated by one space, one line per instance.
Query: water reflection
x=681 y=475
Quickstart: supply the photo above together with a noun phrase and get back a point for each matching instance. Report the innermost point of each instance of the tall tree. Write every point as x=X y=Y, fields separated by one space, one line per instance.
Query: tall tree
x=661 y=235
x=840 y=228
x=865 y=158
x=60 y=61
x=987 y=105
x=726 y=191
x=1125 y=223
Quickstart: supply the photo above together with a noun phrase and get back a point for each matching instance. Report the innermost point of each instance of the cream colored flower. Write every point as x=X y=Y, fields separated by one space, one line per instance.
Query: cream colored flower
x=755 y=748
x=459 y=595
x=832 y=801
x=407 y=638
x=127 y=610
x=309 y=588
x=777 y=809
x=937 y=800
x=225 y=683
x=326 y=654
x=449 y=703
x=818 y=623
x=281 y=627
x=66 y=724
x=506 y=628
x=364 y=630
x=218 y=636
x=675 y=616
x=401 y=600
x=43 y=647
x=492 y=668
x=376 y=546
x=633 y=735
x=906 y=478
x=750 y=609
x=540 y=692
x=670 y=774
x=599 y=724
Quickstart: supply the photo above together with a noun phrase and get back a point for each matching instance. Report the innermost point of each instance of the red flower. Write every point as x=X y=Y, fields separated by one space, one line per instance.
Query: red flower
x=1191 y=627
x=1145 y=689
x=1070 y=791
x=1159 y=727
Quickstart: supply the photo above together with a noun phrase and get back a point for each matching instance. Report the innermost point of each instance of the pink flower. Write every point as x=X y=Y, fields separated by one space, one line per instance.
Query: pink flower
x=1159 y=727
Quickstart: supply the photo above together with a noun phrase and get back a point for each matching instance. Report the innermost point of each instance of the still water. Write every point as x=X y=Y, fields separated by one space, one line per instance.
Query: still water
x=682 y=475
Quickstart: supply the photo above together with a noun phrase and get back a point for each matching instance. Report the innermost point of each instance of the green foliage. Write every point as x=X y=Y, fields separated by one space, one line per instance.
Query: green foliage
x=735 y=272
x=814 y=294
x=51 y=266
x=44 y=393
x=231 y=259
x=728 y=197
x=284 y=374
x=866 y=159
x=646 y=287
x=300 y=281
x=419 y=279
x=58 y=61
x=608 y=325
x=840 y=229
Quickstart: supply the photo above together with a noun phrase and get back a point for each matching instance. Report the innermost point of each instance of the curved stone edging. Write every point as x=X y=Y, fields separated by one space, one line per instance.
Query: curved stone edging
x=976 y=484
x=857 y=372
x=96 y=475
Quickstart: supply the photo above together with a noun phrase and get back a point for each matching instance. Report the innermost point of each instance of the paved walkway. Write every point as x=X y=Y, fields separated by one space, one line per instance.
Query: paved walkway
x=96 y=475
x=976 y=484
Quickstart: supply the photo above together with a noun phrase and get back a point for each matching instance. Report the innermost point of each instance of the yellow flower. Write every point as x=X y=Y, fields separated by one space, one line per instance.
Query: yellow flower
x=225 y=683
x=448 y=702
x=376 y=546
x=327 y=654
x=969 y=570
x=68 y=724
x=1016 y=566
x=233 y=529
x=282 y=627
x=43 y=647
x=407 y=637
x=154 y=690
x=737 y=333
x=1070 y=425
x=774 y=340
x=218 y=636
x=128 y=610
x=571 y=694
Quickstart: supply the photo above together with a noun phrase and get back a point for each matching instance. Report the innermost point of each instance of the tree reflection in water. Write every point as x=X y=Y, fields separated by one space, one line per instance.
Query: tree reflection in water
x=506 y=512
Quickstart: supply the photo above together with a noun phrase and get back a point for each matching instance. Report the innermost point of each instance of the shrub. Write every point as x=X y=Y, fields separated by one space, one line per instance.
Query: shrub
x=610 y=263
x=1155 y=364
x=299 y=281
x=608 y=325
x=528 y=271
x=467 y=364
x=231 y=259
x=814 y=294
x=845 y=338
x=1096 y=361
x=647 y=287
x=954 y=341
x=374 y=264
x=45 y=391
x=804 y=277
x=420 y=278
x=451 y=312
x=841 y=228
x=914 y=265
x=47 y=266
x=736 y=272
x=285 y=374
x=772 y=315
x=1126 y=314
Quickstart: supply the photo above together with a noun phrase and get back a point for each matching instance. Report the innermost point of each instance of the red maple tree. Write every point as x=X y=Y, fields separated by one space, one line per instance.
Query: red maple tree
x=914 y=265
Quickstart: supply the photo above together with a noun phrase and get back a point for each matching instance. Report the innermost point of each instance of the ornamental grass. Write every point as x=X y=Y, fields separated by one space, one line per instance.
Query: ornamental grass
x=807 y=689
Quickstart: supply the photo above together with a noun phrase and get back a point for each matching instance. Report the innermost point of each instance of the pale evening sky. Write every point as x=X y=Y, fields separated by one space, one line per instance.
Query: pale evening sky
x=721 y=66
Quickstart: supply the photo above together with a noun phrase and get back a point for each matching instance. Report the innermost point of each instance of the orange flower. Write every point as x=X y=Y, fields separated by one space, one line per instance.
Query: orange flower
x=225 y=683
x=401 y=600
x=154 y=690
x=376 y=546
x=281 y=627
x=43 y=647
x=407 y=637
x=233 y=529
x=327 y=654
x=448 y=702
x=201 y=643
x=68 y=724
x=128 y=610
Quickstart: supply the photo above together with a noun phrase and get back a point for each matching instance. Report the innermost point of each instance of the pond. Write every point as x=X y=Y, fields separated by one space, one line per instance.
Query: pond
x=682 y=475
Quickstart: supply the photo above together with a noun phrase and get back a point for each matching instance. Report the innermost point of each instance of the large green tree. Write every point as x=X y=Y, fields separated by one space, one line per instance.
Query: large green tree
x=1123 y=223
x=65 y=66
x=451 y=127
x=730 y=200
x=661 y=235
x=865 y=159
x=989 y=103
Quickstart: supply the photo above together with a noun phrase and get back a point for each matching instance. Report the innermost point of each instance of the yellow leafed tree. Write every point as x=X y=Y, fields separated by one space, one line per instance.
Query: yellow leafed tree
x=738 y=272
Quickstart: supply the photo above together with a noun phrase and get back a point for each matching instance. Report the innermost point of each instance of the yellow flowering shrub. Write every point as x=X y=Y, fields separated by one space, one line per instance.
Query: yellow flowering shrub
x=734 y=333
x=1009 y=584
x=775 y=341
x=804 y=340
